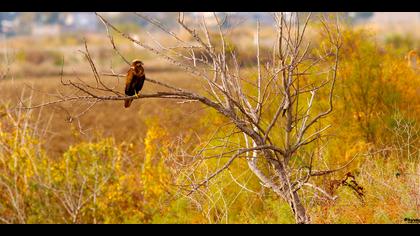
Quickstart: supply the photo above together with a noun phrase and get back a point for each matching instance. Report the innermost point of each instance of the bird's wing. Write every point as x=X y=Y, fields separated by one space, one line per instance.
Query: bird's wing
x=128 y=80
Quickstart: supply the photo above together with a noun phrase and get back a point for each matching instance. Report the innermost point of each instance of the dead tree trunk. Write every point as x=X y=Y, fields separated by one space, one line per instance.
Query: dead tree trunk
x=274 y=112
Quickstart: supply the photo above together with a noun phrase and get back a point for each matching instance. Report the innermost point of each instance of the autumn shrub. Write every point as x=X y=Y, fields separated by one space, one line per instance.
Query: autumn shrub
x=376 y=121
x=22 y=160
x=92 y=182
x=375 y=82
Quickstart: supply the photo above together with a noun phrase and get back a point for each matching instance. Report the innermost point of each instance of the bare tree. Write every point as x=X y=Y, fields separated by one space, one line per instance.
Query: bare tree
x=274 y=112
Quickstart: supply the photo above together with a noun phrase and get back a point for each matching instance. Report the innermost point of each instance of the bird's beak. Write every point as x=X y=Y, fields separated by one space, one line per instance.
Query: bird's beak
x=132 y=67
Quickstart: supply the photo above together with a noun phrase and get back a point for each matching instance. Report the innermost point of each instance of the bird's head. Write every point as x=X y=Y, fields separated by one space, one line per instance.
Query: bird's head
x=136 y=63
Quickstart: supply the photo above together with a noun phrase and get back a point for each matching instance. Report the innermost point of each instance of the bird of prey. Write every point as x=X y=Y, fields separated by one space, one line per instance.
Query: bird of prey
x=134 y=81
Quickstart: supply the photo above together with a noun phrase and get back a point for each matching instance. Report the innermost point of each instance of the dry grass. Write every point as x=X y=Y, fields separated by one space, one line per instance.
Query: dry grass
x=110 y=119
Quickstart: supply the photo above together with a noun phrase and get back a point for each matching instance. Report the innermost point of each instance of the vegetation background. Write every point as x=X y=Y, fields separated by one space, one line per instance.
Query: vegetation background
x=115 y=165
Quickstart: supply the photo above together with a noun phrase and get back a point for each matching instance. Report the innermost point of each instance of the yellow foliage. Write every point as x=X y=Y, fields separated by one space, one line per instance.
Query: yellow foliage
x=155 y=177
x=103 y=181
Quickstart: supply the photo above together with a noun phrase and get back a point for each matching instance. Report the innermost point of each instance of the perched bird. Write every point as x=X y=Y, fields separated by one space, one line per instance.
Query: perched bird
x=134 y=80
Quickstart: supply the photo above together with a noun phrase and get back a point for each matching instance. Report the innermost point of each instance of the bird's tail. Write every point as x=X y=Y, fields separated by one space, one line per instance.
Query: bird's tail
x=127 y=103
